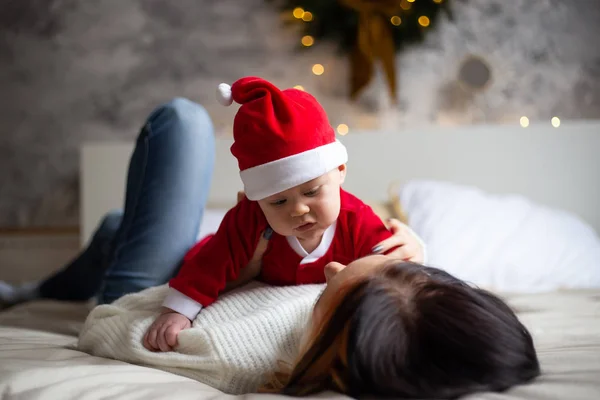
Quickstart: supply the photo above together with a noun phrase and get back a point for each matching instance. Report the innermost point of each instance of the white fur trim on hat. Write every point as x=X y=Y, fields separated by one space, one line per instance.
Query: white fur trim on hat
x=276 y=176
x=224 y=94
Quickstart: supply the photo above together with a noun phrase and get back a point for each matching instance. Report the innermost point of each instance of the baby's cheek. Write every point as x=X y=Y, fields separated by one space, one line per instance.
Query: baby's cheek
x=279 y=225
x=327 y=214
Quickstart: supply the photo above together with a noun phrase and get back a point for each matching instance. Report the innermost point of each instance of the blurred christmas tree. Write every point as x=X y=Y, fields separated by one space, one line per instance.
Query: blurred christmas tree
x=366 y=30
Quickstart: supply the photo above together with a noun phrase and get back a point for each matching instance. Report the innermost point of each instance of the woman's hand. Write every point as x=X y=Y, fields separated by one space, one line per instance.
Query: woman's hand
x=408 y=245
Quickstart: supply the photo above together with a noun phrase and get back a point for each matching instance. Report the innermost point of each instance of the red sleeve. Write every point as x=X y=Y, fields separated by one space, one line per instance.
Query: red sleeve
x=209 y=265
x=369 y=230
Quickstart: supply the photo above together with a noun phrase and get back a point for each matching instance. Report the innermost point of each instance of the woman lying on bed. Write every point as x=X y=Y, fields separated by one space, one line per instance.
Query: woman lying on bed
x=379 y=327
x=389 y=328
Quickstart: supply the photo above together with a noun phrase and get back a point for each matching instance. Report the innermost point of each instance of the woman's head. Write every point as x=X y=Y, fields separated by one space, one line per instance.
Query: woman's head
x=384 y=327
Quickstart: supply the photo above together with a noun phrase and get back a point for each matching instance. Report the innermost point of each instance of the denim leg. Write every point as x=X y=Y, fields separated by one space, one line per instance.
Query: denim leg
x=168 y=181
x=81 y=279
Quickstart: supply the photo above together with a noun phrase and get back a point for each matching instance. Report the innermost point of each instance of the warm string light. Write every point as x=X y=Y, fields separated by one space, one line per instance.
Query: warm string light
x=299 y=13
x=318 y=69
x=307 y=41
x=305 y=16
x=524 y=121
x=299 y=87
x=342 y=129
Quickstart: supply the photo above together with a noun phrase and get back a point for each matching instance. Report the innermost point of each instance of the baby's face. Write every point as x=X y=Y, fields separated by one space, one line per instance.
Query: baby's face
x=306 y=210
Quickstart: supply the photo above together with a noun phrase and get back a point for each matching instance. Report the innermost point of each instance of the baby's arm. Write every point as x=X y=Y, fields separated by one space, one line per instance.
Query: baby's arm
x=369 y=232
x=162 y=334
x=399 y=241
x=208 y=269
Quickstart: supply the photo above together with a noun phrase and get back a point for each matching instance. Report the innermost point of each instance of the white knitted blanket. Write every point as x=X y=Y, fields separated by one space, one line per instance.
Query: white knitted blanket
x=233 y=345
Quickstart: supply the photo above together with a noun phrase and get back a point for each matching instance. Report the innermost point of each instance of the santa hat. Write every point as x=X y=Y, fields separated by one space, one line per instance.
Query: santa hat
x=282 y=138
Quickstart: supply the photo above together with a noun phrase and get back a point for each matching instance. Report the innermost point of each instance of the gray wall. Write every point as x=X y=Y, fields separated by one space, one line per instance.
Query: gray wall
x=74 y=71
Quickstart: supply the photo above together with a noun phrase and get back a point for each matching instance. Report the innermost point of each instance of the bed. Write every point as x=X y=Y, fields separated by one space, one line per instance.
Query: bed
x=544 y=179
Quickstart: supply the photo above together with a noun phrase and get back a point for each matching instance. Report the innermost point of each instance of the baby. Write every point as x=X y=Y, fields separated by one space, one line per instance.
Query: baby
x=292 y=168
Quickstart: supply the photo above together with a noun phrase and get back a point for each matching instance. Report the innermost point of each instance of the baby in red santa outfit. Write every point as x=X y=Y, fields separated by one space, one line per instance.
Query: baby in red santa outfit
x=292 y=168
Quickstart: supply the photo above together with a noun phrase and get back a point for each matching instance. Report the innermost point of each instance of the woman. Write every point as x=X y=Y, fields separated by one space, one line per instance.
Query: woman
x=388 y=328
x=380 y=327
x=142 y=246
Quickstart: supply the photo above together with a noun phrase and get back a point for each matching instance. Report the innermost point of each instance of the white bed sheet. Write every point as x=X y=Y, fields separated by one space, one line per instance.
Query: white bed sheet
x=42 y=365
x=36 y=364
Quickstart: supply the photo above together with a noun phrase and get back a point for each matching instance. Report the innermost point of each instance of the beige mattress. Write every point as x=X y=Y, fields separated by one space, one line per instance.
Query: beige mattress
x=37 y=359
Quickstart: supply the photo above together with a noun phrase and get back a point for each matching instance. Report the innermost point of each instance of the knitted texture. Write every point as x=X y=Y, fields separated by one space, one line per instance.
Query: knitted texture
x=233 y=345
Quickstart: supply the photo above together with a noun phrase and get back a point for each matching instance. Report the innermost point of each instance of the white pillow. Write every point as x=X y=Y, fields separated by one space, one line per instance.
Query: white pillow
x=501 y=242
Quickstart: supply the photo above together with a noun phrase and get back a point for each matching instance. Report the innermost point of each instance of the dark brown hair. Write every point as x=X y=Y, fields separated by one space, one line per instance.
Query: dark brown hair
x=410 y=331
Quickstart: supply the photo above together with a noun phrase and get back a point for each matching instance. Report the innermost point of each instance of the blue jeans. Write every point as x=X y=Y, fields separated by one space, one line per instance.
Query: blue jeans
x=169 y=177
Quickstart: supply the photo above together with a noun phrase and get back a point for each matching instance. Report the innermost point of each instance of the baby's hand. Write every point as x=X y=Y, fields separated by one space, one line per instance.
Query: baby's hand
x=162 y=334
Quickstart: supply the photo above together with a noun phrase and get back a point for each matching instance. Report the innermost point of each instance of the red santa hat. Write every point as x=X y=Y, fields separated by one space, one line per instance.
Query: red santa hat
x=282 y=138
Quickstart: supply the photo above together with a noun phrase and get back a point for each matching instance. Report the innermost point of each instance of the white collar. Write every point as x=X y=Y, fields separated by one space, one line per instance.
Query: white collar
x=317 y=253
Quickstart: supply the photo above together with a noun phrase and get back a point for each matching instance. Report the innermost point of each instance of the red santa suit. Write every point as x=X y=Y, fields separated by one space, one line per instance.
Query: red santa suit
x=282 y=139
x=217 y=259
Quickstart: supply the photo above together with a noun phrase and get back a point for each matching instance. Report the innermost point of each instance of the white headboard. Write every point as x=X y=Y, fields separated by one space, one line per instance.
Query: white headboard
x=559 y=167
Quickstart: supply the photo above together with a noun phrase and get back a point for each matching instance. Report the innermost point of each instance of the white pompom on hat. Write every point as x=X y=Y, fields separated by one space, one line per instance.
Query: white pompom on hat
x=224 y=96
